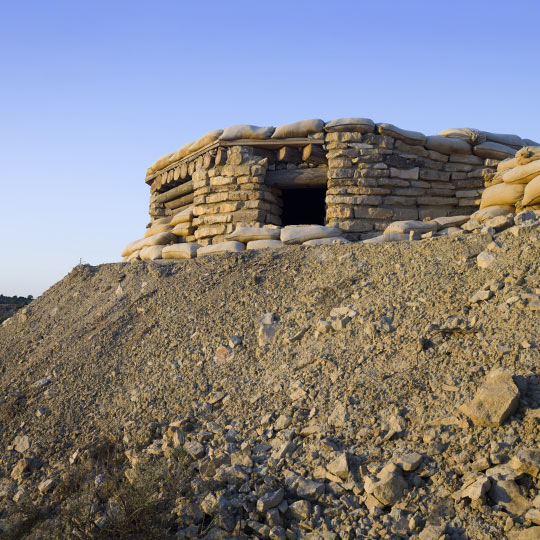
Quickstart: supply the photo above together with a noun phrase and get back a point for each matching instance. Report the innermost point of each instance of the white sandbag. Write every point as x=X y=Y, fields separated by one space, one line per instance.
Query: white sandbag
x=493 y=150
x=450 y=221
x=185 y=216
x=447 y=146
x=522 y=174
x=502 y=195
x=246 y=131
x=298 y=129
x=327 y=241
x=358 y=125
x=508 y=163
x=405 y=227
x=298 y=234
x=248 y=234
x=222 y=247
x=183 y=229
x=264 y=244
x=151 y=253
x=531 y=195
x=408 y=137
x=527 y=154
x=180 y=251
x=160 y=239
x=470 y=135
x=156 y=229
x=492 y=211
x=504 y=138
x=205 y=140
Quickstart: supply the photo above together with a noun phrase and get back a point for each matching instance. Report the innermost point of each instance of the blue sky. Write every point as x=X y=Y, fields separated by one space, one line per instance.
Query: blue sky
x=93 y=92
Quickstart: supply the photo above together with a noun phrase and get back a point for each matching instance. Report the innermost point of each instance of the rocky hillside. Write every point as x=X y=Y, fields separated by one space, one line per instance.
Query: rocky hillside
x=10 y=304
x=337 y=392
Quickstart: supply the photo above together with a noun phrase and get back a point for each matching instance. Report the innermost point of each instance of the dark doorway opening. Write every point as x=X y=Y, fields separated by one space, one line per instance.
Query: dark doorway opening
x=303 y=206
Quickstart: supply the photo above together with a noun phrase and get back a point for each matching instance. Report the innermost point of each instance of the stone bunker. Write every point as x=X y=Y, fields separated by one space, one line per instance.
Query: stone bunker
x=350 y=177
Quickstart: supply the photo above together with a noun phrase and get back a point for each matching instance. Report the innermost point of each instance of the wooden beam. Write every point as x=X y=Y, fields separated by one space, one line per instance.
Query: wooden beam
x=314 y=154
x=221 y=157
x=208 y=160
x=290 y=154
x=181 y=201
x=178 y=191
x=183 y=171
x=289 y=178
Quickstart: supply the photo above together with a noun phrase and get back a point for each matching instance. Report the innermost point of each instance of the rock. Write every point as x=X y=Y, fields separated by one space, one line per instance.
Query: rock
x=339 y=415
x=477 y=489
x=21 y=443
x=235 y=341
x=21 y=468
x=194 y=449
x=480 y=296
x=452 y=221
x=525 y=216
x=485 y=260
x=495 y=400
x=532 y=533
x=300 y=510
x=282 y=422
x=309 y=489
x=533 y=515
x=471 y=225
x=223 y=354
x=339 y=466
x=266 y=333
x=270 y=500
x=277 y=533
x=233 y=475
x=527 y=461
x=389 y=486
x=410 y=462
x=323 y=326
x=47 y=485
x=285 y=449
x=298 y=234
x=506 y=494
x=499 y=223
x=188 y=512
x=432 y=532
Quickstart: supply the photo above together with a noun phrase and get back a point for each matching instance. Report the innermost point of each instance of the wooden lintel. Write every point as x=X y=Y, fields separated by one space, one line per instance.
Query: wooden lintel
x=289 y=178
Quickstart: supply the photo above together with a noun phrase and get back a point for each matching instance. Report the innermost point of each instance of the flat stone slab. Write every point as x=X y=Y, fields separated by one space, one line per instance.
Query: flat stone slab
x=298 y=234
x=223 y=247
x=451 y=221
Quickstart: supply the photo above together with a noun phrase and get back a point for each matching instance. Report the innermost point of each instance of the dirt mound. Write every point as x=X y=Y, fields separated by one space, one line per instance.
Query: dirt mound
x=303 y=393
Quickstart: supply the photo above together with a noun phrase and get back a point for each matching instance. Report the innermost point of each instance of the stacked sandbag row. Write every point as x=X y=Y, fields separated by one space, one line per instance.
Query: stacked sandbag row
x=515 y=186
x=379 y=173
x=233 y=194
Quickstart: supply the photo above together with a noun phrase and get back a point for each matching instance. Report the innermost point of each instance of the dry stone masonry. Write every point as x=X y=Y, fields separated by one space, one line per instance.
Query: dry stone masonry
x=311 y=182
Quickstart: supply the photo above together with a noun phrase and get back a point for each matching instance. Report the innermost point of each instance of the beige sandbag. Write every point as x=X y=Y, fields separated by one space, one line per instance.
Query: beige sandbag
x=447 y=146
x=492 y=211
x=355 y=124
x=502 y=194
x=298 y=234
x=248 y=234
x=326 y=241
x=156 y=229
x=531 y=195
x=470 y=135
x=183 y=229
x=151 y=253
x=161 y=163
x=522 y=174
x=302 y=128
x=135 y=256
x=185 y=216
x=205 y=140
x=161 y=220
x=388 y=237
x=508 y=163
x=160 y=239
x=493 y=150
x=264 y=244
x=182 y=153
x=504 y=138
x=180 y=251
x=408 y=137
x=222 y=247
x=527 y=154
x=246 y=131
x=493 y=179
x=405 y=227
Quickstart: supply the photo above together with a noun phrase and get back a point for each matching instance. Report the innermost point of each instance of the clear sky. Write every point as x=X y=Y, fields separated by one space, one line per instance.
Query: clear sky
x=92 y=92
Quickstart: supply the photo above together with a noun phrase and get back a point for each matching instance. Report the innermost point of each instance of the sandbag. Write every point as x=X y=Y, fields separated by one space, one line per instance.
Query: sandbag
x=264 y=244
x=222 y=247
x=298 y=129
x=161 y=163
x=508 y=163
x=355 y=124
x=531 y=195
x=408 y=137
x=450 y=221
x=326 y=241
x=388 y=237
x=493 y=179
x=298 y=234
x=447 y=146
x=470 y=135
x=161 y=220
x=504 y=138
x=407 y=226
x=246 y=131
x=185 y=216
x=180 y=251
x=502 y=194
x=135 y=256
x=248 y=234
x=183 y=229
x=492 y=211
x=205 y=140
x=160 y=239
x=530 y=142
x=151 y=253
x=182 y=153
x=522 y=174
x=156 y=229
x=493 y=150
x=527 y=154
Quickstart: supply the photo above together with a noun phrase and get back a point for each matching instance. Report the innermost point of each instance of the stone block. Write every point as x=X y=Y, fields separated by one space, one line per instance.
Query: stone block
x=405 y=213
x=436 y=201
x=428 y=174
x=406 y=174
x=399 y=201
x=339 y=212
